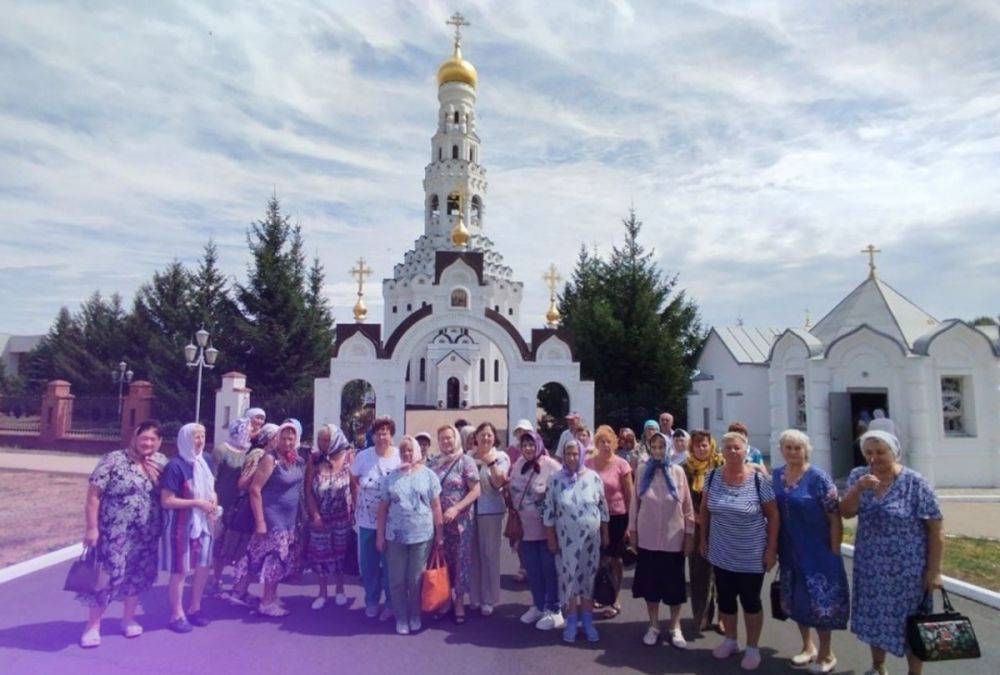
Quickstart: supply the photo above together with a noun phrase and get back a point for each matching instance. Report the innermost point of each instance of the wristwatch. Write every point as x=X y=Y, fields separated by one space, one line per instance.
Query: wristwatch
x=490 y=465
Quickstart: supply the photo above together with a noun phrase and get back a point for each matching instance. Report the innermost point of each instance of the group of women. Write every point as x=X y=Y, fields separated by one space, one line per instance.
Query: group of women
x=704 y=522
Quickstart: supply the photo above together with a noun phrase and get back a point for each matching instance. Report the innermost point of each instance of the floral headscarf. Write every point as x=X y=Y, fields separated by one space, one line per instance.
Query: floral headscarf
x=239 y=434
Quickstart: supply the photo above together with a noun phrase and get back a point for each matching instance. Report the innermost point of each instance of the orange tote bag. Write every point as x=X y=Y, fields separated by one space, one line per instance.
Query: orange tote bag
x=435 y=591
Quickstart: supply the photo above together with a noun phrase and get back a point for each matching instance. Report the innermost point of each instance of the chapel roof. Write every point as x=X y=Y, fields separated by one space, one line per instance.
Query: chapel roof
x=878 y=305
x=748 y=344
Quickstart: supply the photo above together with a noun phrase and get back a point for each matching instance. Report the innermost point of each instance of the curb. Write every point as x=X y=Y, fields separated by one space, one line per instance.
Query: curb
x=41 y=562
x=956 y=586
x=971 y=499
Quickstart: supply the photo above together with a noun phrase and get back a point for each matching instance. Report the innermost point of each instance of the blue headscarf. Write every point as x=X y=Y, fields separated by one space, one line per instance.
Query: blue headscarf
x=652 y=465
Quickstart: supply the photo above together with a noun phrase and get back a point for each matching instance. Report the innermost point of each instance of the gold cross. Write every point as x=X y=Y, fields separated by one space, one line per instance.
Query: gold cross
x=457 y=20
x=359 y=273
x=552 y=278
x=871 y=251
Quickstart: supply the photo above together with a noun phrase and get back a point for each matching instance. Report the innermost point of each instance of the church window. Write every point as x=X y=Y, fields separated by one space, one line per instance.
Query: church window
x=456 y=117
x=394 y=309
x=472 y=154
x=477 y=207
x=409 y=307
x=434 y=208
x=407 y=371
x=496 y=370
x=460 y=298
x=718 y=405
x=496 y=308
x=953 y=406
x=482 y=370
x=454 y=152
x=797 y=412
x=423 y=370
x=510 y=311
x=452 y=204
x=440 y=154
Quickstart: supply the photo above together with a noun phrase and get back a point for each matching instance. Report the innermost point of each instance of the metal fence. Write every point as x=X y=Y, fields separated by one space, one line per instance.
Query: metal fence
x=96 y=416
x=21 y=413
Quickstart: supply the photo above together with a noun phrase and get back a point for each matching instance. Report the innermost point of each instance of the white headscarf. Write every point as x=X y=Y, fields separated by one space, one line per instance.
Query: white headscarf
x=203 y=484
x=886 y=438
x=882 y=423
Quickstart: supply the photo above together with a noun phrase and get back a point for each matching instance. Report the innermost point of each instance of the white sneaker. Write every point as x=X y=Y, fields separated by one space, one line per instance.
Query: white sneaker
x=340 y=599
x=415 y=624
x=677 y=639
x=402 y=628
x=824 y=667
x=726 y=649
x=319 y=603
x=91 y=638
x=131 y=629
x=487 y=610
x=551 y=621
x=651 y=637
x=385 y=615
x=532 y=615
x=751 y=659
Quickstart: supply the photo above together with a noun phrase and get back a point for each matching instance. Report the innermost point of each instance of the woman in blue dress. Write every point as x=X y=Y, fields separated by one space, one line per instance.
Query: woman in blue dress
x=897 y=549
x=813 y=581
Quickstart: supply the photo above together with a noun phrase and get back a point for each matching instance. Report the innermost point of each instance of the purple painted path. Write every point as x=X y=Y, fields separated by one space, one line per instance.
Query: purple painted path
x=40 y=626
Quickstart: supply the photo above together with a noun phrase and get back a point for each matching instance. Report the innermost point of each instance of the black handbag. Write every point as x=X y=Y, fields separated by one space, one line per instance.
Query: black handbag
x=84 y=574
x=605 y=586
x=944 y=636
x=777 y=610
x=240 y=517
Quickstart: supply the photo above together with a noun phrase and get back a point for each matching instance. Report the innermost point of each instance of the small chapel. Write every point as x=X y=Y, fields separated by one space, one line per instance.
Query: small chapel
x=876 y=353
x=448 y=346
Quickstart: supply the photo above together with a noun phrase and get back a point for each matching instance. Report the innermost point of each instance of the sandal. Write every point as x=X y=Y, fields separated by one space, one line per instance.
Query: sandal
x=273 y=610
x=611 y=612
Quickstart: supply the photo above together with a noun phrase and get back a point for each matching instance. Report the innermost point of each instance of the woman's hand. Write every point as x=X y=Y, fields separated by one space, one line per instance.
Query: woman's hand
x=90 y=537
x=380 y=543
x=205 y=505
x=688 y=544
x=632 y=538
x=770 y=559
x=703 y=547
x=868 y=482
x=553 y=544
x=260 y=529
x=932 y=580
x=449 y=515
x=438 y=539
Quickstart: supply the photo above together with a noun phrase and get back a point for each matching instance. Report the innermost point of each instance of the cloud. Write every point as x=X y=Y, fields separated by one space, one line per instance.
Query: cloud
x=763 y=144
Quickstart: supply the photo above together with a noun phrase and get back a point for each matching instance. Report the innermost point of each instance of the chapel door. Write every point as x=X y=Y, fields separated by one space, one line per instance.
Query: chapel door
x=453 y=392
x=841 y=435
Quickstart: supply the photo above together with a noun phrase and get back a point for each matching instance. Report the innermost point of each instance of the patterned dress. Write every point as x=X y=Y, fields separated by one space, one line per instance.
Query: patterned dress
x=459 y=534
x=576 y=506
x=327 y=549
x=814 y=588
x=130 y=522
x=274 y=557
x=890 y=556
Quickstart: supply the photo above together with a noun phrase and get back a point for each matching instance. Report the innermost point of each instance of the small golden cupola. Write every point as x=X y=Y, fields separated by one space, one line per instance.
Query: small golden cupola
x=457 y=69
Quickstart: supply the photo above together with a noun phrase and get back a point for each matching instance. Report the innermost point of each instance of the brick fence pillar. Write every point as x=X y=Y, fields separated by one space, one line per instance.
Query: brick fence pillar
x=137 y=407
x=57 y=411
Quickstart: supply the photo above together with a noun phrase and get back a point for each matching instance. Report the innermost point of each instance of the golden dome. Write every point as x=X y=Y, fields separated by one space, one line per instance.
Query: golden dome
x=457 y=69
x=553 y=317
x=360 y=310
x=460 y=233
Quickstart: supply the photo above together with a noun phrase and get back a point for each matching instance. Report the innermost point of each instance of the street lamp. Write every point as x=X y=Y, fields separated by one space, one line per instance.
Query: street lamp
x=121 y=377
x=200 y=357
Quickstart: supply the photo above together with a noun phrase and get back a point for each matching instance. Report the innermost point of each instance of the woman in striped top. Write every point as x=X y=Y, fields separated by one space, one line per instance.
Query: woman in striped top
x=740 y=539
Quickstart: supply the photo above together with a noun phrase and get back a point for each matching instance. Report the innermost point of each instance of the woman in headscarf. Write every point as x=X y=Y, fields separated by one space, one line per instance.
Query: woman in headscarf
x=329 y=508
x=585 y=438
x=529 y=481
x=681 y=445
x=897 y=548
x=257 y=418
x=641 y=451
x=124 y=523
x=266 y=441
x=494 y=467
x=228 y=458
x=700 y=461
x=576 y=518
x=616 y=474
x=460 y=489
x=191 y=509
x=661 y=526
x=409 y=519
x=274 y=498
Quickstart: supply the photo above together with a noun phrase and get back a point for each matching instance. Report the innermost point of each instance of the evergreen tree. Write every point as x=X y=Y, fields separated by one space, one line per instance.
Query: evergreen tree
x=635 y=332
x=60 y=355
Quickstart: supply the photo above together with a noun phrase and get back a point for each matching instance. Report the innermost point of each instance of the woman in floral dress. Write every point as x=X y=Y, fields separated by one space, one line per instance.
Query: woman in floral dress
x=814 y=590
x=897 y=548
x=460 y=489
x=329 y=504
x=576 y=517
x=123 y=522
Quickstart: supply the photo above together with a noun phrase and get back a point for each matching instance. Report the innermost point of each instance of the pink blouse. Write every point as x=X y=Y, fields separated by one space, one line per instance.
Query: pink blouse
x=660 y=520
x=535 y=484
x=611 y=475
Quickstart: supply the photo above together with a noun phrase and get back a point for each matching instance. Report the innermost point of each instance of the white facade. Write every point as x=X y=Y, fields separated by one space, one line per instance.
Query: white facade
x=938 y=381
x=448 y=339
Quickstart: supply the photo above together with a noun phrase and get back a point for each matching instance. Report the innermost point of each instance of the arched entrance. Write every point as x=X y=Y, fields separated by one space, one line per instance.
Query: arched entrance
x=454 y=393
x=552 y=407
x=357 y=411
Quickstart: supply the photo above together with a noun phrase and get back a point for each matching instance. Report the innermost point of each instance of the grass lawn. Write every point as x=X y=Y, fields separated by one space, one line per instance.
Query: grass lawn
x=39 y=512
x=976 y=561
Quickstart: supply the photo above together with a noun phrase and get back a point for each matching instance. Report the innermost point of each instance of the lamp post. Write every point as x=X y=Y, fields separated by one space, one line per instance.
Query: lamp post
x=121 y=377
x=197 y=356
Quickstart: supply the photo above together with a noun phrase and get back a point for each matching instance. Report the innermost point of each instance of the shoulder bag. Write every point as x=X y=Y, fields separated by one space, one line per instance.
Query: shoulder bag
x=943 y=636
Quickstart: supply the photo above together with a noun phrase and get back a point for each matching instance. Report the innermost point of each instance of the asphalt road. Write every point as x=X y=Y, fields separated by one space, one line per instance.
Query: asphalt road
x=40 y=625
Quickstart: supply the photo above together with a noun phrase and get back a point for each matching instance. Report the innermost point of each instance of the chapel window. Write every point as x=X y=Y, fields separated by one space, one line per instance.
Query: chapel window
x=423 y=370
x=460 y=298
x=453 y=204
x=496 y=370
x=953 y=406
x=476 y=207
x=456 y=117
x=797 y=413
x=454 y=152
x=718 y=405
x=482 y=370
x=434 y=208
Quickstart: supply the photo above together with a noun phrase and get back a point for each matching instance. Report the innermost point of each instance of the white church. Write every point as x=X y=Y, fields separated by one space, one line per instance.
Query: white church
x=448 y=340
x=938 y=381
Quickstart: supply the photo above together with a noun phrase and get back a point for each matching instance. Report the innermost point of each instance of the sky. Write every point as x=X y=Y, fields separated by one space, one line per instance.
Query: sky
x=763 y=144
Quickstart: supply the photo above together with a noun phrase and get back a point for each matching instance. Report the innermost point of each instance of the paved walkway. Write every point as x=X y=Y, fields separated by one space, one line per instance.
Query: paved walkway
x=46 y=460
x=40 y=624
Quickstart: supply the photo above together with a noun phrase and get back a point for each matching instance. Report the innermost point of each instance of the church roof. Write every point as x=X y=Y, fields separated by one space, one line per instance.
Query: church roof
x=748 y=344
x=878 y=305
